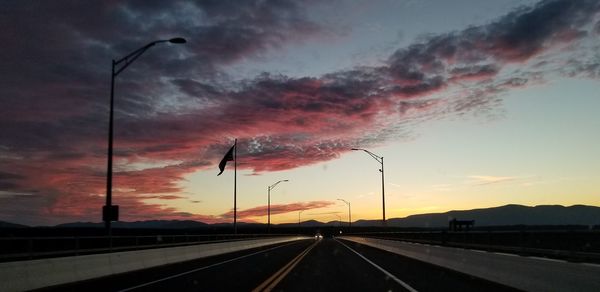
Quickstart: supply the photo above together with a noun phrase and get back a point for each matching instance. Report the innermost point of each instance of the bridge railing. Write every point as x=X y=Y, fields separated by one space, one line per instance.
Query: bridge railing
x=25 y=248
x=573 y=245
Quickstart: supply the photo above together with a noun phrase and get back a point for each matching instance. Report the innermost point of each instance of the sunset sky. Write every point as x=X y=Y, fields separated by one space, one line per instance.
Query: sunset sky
x=471 y=103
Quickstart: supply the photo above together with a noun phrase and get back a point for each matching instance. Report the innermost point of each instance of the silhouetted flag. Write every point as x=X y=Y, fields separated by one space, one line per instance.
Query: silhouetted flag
x=228 y=157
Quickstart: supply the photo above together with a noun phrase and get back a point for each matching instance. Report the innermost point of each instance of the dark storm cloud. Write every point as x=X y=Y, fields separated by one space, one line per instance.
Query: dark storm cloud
x=516 y=37
x=177 y=105
x=474 y=72
x=9 y=176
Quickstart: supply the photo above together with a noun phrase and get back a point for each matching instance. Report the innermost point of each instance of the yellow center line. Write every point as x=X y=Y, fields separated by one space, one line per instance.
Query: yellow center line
x=272 y=281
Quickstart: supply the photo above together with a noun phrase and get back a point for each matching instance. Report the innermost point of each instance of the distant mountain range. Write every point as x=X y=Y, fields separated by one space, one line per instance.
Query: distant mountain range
x=313 y=223
x=150 y=224
x=496 y=216
x=501 y=216
x=4 y=224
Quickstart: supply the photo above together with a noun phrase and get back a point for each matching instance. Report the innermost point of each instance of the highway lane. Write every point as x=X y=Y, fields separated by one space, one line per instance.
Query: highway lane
x=306 y=265
x=238 y=271
x=332 y=267
x=347 y=266
x=423 y=276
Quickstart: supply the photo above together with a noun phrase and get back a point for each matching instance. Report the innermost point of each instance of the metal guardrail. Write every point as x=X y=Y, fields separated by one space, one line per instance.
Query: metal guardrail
x=26 y=248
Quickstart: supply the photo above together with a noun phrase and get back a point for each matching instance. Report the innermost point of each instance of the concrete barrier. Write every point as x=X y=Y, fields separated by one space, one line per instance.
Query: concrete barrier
x=33 y=274
x=524 y=273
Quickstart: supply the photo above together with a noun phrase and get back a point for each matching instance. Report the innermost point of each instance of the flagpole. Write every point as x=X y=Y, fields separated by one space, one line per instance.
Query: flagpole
x=235 y=187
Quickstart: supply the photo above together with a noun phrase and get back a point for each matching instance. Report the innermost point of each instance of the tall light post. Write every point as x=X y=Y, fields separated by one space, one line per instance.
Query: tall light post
x=269 y=203
x=299 y=218
x=380 y=160
x=110 y=212
x=349 y=212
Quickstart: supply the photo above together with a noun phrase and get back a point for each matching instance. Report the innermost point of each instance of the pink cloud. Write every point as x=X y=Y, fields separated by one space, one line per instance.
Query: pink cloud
x=260 y=211
x=54 y=126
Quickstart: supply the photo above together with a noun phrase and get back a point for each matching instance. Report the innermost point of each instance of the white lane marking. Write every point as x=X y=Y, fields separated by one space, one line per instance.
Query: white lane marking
x=202 y=268
x=547 y=259
x=408 y=287
x=507 y=254
x=590 y=265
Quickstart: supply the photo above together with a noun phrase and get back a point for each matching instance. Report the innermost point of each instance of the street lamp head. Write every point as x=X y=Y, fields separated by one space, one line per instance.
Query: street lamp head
x=177 y=41
x=355 y=149
x=285 y=180
x=345 y=202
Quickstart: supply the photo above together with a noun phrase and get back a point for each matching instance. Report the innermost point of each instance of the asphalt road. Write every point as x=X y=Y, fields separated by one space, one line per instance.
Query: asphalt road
x=347 y=266
x=306 y=265
x=237 y=271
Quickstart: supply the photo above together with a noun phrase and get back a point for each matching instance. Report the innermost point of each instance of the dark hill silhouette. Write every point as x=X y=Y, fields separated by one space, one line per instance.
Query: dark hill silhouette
x=496 y=216
x=312 y=223
x=154 y=224
x=4 y=224
x=501 y=216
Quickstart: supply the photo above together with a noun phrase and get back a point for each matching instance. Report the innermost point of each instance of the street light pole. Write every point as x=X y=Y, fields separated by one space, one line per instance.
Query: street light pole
x=349 y=212
x=380 y=160
x=269 y=203
x=383 y=191
x=299 y=218
x=110 y=212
